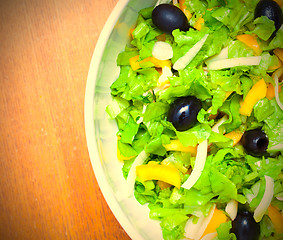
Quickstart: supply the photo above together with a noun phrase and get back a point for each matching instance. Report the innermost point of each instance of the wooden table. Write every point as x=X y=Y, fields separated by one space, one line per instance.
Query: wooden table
x=48 y=189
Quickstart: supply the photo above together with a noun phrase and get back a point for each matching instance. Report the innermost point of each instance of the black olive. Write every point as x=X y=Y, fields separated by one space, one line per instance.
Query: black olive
x=183 y=112
x=169 y=17
x=245 y=227
x=271 y=10
x=255 y=142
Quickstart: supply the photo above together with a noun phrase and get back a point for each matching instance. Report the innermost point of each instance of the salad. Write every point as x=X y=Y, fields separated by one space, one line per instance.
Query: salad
x=198 y=104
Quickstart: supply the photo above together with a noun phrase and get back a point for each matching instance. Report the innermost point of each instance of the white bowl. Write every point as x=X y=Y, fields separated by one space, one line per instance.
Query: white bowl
x=101 y=132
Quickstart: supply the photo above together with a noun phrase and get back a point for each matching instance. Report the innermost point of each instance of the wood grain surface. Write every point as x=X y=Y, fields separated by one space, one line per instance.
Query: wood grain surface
x=47 y=186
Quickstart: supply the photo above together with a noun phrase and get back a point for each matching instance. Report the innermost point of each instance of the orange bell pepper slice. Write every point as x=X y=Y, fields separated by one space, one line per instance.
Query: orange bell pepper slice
x=270 y=93
x=279 y=53
x=235 y=136
x=163 y=185
x=218 y=217
x=165 y=173
x=257 y=92
x=276 y=218
x=251 y=42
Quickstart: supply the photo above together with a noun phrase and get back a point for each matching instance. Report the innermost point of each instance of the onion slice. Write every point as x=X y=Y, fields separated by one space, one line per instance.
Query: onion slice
x=132 y=173
x=215 y=128
x=199 y=165
x=162 y=50
x=266 y=199
x=232 y=209
x=222 y=55
x=209 y=236
x=276 y=76
x=233 y=62
x=196 y=230
x=183 y=61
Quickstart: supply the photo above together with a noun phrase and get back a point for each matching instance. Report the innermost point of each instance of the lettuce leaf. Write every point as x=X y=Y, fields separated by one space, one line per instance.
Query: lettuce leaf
x=264 y=27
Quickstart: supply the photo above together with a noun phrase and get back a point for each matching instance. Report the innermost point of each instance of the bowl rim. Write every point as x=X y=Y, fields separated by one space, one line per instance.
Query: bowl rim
x=89 y=122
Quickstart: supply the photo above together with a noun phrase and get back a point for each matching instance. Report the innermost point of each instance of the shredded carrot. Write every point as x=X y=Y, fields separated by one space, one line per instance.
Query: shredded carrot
x=251 y=42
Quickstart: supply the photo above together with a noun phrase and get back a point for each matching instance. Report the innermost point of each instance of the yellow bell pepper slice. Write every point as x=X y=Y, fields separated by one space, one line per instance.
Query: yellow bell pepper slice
x=176 y=145
x=183 y=7
x=135 y=64
x=199 y=23
x=251 y=42
x=276 y=218
x=218 y=217
x=168 y=174
x=257 y=92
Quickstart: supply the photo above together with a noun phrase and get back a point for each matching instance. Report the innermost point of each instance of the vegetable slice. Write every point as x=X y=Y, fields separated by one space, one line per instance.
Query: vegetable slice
x=222 y=55
x=182 y=62
x=270 y=94
x=176 y=145
x=279 y=53
x=199 y=23
x=257 y=92
x=276 y=76
x=165 y=173
x=266 y=199
x=232 y=209
x=183 y=7
x=215 y=128
x=209 y=236
x=235 y=136
x=276 y=218
x=217 y=218
x=135 y=64
x=251 y=42
x=233 y=62
x=199 y=165
x=162 y=50
x=196 y=230
x=132 y=173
